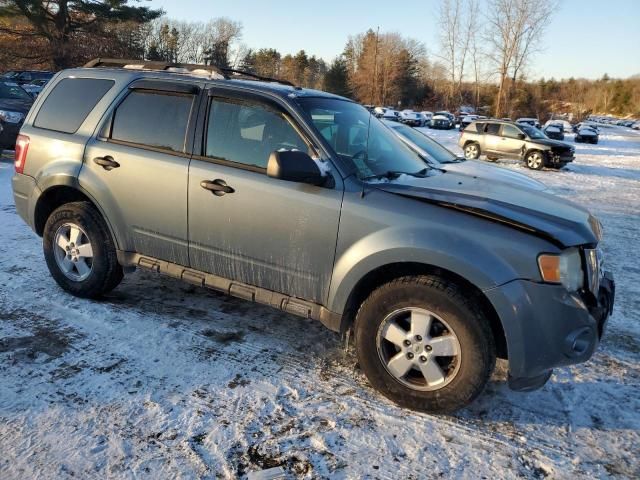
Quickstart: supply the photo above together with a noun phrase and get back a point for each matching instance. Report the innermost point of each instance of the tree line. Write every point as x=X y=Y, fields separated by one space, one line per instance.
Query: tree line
x=483 y=58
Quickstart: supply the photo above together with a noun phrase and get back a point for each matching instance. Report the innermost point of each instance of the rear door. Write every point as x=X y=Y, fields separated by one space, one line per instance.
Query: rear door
x=265 y=232
x=137 y=168
x=491 y=138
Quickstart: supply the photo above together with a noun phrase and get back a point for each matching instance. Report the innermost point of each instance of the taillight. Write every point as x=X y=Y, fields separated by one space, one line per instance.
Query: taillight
x=22 y=146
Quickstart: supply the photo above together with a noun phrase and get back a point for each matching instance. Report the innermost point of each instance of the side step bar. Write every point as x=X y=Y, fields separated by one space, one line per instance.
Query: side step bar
x=293 y=305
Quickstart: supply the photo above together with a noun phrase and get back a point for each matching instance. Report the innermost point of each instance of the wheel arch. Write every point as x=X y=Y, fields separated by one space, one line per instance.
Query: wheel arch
x=386 y=273
x=60 y=194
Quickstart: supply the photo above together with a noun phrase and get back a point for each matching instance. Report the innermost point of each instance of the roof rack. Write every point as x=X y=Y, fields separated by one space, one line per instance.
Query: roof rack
x=214 y=71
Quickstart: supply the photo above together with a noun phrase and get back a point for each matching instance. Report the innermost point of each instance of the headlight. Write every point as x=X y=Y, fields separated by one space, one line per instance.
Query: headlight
x=565 y=269
x=11 y=117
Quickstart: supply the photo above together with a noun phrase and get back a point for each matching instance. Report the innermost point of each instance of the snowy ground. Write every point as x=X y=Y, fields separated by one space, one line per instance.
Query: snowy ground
x=162 y=380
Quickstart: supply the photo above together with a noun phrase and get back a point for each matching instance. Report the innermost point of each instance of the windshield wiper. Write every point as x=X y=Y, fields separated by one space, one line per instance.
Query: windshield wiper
x=393 y=174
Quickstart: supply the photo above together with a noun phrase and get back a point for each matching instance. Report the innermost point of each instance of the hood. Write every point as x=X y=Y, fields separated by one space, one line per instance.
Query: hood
x=559 y=221
x=15 y=105
x=493 y=174
x=550 y=143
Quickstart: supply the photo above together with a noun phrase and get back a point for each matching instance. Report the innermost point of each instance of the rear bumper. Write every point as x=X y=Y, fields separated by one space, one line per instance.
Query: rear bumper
x=547 y=327
x=25 y=196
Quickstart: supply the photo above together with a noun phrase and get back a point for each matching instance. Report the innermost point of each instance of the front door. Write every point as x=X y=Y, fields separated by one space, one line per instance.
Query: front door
x=511 y=142
x=137 y=170
x=261 y=231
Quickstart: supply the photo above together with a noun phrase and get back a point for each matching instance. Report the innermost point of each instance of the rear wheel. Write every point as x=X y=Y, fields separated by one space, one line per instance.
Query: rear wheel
x=423 y=345
x=80 y=252
x=471 y=151
x=535 y=160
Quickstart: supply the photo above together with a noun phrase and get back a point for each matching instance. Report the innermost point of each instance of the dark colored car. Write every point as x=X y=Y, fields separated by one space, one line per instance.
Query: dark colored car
x=586 y=134
x=555 y=131
x=23 y=77
x=14 y=106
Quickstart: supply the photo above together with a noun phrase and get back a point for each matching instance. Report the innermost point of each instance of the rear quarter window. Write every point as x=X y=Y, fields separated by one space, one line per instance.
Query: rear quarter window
x=69 y=103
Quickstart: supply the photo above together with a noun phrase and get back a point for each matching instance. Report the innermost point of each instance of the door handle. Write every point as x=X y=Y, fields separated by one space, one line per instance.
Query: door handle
x=107 y=162
x=218 y=187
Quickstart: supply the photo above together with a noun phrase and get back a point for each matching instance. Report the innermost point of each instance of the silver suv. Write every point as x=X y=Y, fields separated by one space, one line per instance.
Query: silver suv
x=305 y=202
x=497 y=139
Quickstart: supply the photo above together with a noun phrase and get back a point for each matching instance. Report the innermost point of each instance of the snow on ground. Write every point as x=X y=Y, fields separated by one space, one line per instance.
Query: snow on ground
x=163 y=380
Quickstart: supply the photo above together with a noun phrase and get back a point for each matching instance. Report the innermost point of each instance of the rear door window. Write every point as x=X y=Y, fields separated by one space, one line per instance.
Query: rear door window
x=153 y=119
x=493 y=128
x=69 y=103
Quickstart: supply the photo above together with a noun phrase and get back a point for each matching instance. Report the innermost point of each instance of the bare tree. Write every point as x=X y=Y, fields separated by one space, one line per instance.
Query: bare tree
x=458 y=23
x=515 y=28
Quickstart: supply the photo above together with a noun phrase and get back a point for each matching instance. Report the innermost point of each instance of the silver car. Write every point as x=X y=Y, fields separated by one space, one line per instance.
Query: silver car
x=304 y=201
x=505 y=139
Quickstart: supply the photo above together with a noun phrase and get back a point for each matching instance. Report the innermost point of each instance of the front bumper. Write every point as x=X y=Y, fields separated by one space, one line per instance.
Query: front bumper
x=554 y=158
x=546 y=327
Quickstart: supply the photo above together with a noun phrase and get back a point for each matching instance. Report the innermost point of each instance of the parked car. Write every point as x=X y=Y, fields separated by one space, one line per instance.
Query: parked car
x=391 y=115
x=567 y=127
x=466 y=121
x=533 y=122
x=303 y=201
x=426 y=118
x=14 y=105
x=438 y=156
x=22 y=77
x=496 y=139
x=586 y=134
x=35 y=87
x=409 y=117
x=636 y=126
x=450 y=116
x=441 y=122
x=555 y=131
x=379 y=111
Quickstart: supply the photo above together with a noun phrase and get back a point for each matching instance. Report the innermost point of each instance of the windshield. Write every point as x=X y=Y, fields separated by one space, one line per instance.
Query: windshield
x=13 y=92
x=360 y=139
x=428 y=145
x=532 y=132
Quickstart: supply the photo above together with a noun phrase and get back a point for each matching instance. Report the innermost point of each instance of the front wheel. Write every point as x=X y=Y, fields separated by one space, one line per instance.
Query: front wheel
x=535 y=160
x=471 y=151
x=80 y=251
x=423 y=345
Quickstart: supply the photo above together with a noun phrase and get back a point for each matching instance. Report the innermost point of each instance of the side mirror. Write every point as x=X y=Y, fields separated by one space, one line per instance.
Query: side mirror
x=522 y=136
x=294 y=166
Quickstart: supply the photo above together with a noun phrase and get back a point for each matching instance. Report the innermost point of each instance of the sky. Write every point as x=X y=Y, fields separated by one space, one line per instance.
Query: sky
x=585 y=39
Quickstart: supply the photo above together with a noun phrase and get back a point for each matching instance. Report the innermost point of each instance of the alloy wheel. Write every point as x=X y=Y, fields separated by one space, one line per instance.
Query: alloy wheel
x=419 y=349
x=73 y=252
x=534 y=161
x=471 y=151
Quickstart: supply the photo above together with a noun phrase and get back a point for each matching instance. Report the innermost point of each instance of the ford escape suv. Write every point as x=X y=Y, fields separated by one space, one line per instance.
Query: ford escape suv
x=304 y=201
x=502 y=139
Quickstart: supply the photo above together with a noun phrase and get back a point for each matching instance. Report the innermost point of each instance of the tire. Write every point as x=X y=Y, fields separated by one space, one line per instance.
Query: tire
x=492 y=159
x=535 y=160
x=472 y=151
x=459 y=378
x=93 y=248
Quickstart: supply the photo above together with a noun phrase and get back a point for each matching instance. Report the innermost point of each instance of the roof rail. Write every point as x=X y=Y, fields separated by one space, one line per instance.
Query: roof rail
x=152 y=65
x=214 y=71
x=253 y=76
